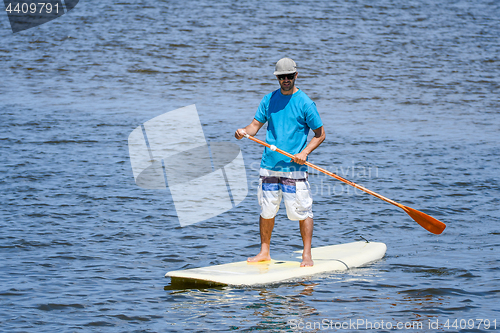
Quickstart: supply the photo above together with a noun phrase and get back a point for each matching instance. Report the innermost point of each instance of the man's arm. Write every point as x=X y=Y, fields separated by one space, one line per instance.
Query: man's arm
x=319 y=137
x=251 y=129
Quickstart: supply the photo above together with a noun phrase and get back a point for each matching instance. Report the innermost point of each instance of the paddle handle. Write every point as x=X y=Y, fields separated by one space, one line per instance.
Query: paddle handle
x=331 y=174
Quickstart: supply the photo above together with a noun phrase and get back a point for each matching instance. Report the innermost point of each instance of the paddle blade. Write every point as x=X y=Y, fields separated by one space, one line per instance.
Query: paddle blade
x=427 y=222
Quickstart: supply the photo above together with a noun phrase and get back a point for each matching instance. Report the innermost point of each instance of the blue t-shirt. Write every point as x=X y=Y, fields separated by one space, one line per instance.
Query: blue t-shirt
x=289 y=118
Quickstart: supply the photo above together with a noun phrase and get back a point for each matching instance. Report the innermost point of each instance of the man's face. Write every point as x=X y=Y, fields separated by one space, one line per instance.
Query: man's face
x=287 y=81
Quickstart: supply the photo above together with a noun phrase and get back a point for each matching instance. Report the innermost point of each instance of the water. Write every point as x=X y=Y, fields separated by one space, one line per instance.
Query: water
x=408 y=92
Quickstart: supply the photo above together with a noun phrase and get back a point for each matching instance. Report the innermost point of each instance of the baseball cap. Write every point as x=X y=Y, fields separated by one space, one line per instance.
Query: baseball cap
x=285 y=66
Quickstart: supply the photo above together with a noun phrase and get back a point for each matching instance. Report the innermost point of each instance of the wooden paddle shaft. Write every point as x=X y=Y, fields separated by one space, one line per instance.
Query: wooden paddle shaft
x=331 y=174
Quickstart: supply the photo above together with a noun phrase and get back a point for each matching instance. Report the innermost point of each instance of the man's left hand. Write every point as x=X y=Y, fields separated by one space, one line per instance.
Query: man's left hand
x=300 y=158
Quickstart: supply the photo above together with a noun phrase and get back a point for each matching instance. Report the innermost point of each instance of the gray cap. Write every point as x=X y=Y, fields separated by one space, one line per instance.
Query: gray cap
x=285 y=66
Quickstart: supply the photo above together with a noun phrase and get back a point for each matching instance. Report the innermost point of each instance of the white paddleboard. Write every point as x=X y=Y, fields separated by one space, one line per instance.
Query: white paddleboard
x=326 y=259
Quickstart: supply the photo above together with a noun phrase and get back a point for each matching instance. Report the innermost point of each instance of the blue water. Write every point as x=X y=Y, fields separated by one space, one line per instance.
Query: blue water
x=409 y=95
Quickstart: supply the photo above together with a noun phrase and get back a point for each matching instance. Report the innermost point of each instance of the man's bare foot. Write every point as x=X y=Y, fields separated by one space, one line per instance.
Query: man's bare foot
x=260 y=257
x=306 y=261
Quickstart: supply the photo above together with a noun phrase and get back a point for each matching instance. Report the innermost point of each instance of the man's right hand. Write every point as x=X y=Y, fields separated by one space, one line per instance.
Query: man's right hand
x=240 y=133
x=251 y=129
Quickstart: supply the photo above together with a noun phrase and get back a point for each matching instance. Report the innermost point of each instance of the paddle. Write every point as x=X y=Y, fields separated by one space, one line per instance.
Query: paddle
x=427 y=222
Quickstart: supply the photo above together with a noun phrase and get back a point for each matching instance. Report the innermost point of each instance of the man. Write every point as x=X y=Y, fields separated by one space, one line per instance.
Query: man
x=290 y=114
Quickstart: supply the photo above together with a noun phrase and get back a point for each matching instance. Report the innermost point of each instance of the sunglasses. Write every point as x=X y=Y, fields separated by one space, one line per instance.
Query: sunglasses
x=288 y=76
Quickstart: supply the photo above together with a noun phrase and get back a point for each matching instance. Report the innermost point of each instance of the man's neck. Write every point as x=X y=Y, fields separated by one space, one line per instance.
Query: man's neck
x=289 y=92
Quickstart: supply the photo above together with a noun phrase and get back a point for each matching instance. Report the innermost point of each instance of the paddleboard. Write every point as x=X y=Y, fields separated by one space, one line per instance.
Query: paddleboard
x=326 y=259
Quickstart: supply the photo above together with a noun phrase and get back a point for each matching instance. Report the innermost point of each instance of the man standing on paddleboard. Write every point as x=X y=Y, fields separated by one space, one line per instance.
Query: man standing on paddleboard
x=289 y=114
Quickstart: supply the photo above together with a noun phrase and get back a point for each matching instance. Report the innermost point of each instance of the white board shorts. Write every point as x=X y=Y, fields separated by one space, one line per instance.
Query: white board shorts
x=293 y=187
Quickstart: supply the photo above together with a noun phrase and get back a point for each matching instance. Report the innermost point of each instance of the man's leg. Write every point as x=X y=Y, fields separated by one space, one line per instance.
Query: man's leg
x=266 y=229
x=306 y=231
